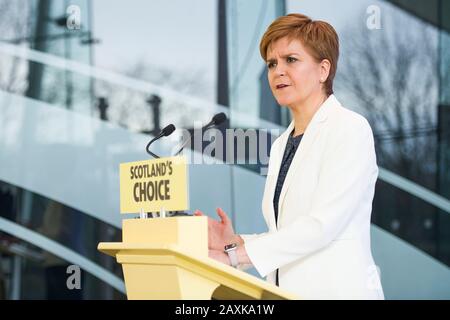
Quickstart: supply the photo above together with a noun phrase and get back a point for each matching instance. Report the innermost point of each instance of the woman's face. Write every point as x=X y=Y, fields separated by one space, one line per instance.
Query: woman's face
x=294 y=75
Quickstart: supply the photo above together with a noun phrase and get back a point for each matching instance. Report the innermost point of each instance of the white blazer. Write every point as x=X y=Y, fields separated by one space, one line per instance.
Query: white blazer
x=322 y=244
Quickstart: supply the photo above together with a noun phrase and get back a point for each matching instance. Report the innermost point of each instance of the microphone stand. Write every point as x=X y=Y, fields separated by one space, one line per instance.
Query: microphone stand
x=148 y=146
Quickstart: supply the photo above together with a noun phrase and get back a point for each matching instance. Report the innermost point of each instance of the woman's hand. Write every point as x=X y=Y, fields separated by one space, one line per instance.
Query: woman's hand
x=220 y=233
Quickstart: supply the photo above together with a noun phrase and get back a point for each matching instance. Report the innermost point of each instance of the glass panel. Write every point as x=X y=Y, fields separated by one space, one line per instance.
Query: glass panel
x=40 y=274
x=249 y=91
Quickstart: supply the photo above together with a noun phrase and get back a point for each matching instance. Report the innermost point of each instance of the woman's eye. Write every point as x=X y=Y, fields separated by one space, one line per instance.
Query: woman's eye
x=270 y=65
x=290 y=59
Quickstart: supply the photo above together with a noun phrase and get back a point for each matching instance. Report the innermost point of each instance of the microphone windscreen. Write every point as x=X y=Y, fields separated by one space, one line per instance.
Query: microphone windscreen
x=167 y=131
x=219 y=118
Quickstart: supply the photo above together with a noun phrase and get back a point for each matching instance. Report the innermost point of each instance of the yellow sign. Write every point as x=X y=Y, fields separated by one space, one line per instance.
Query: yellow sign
x=152 y=185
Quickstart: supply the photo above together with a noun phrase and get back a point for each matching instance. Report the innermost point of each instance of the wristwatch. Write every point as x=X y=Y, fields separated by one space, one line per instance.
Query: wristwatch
x=230 y=249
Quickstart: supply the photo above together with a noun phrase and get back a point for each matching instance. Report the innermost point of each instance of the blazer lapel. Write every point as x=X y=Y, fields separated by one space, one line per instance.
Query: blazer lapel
x=307 y=142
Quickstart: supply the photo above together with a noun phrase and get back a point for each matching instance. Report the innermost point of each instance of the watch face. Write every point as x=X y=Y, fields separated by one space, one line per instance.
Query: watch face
x=230 y=246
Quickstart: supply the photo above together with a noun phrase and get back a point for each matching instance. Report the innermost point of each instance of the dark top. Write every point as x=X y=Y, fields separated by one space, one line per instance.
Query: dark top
x=291 y=147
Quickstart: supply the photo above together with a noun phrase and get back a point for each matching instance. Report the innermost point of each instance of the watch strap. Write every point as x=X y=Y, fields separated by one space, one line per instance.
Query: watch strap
x=233 y=257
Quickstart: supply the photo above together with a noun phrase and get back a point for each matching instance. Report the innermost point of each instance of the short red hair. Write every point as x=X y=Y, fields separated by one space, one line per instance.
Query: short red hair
x=318 y=37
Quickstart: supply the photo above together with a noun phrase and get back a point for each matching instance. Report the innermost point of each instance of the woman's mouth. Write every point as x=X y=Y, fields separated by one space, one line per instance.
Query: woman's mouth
x=281 y=86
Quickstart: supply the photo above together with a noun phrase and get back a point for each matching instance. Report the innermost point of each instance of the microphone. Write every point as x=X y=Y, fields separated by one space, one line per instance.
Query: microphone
x=216 y=120
x=166 y=131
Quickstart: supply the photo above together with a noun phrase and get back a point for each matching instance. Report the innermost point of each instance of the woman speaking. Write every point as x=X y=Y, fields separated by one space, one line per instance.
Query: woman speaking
x=321 y=177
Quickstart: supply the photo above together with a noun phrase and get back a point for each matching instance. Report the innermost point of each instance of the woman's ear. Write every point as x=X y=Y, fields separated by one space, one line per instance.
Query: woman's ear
x=325 y=66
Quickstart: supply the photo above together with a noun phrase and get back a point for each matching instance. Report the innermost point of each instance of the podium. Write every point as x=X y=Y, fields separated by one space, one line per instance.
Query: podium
x=167 y=258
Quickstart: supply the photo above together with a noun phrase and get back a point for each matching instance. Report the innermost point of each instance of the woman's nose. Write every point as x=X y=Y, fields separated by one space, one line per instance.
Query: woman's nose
x=280 y=70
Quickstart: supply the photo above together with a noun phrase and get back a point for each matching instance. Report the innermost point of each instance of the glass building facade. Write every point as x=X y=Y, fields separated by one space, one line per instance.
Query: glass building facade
x=77 y=101
x=249 y=90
